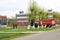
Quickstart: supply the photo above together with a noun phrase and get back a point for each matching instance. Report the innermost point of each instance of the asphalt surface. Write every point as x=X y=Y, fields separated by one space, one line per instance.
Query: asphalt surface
x=51 y=35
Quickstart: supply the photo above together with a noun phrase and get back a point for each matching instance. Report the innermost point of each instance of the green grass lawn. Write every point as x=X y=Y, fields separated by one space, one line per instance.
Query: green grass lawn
x=24 y=29
x=9 y=36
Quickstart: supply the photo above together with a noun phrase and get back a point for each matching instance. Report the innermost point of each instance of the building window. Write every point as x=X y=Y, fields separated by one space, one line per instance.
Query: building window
x=0 y=20
x=3 y=21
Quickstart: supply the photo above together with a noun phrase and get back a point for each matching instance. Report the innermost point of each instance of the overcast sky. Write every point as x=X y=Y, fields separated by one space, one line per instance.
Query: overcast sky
x=12 y=7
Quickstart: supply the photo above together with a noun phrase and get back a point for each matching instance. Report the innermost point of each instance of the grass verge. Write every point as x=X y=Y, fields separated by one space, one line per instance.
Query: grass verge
x=9 y=36
x=24 y=29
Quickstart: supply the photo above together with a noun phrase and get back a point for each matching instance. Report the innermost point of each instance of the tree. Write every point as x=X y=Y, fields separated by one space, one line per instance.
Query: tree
x=11 y=21
x=35 y=12
x=43 y=15
x=56 y=15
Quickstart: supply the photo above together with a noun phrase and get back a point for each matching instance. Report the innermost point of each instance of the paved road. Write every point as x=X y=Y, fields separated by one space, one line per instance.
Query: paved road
x=51 y=35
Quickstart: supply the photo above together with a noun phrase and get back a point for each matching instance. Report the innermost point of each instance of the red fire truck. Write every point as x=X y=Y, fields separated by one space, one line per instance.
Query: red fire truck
x=49 y=22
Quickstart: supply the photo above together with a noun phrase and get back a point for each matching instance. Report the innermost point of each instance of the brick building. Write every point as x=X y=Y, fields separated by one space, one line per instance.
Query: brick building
x=3 y=21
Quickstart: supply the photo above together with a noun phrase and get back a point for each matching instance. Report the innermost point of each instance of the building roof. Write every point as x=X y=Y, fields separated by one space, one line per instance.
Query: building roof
x=3 y=16
x=17 y=15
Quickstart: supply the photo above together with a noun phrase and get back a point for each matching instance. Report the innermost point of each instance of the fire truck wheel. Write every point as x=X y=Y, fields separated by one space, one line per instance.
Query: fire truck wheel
x=48 y=25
